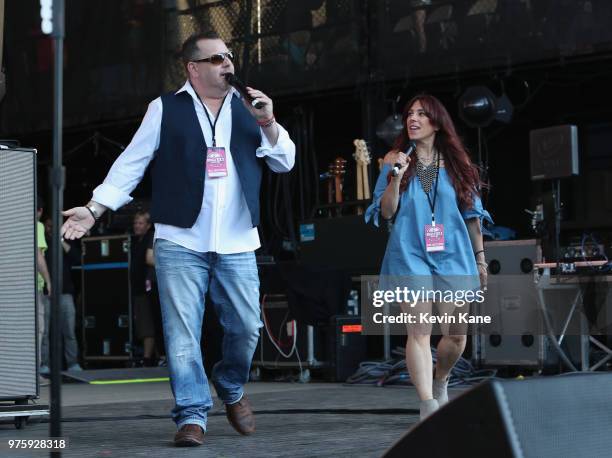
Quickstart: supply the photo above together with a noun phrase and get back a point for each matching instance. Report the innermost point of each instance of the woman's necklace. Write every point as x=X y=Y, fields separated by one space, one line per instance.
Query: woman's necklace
x=427 y=173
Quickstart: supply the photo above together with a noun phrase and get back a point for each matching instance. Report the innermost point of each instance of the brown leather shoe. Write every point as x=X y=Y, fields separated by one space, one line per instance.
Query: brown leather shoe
x=241 y=416
x=189 y=436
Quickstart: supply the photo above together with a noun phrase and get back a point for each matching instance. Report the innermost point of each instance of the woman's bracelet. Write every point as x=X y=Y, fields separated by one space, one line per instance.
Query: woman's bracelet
x=478 y=252
x=482 y=263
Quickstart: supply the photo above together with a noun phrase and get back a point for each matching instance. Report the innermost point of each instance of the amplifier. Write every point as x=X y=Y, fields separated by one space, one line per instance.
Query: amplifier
x=517 y=335
x=347 y=347
x=106 y=299
x=284 y=342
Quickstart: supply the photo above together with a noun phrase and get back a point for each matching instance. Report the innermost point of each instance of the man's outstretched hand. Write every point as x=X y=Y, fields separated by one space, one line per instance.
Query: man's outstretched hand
x=79 y=222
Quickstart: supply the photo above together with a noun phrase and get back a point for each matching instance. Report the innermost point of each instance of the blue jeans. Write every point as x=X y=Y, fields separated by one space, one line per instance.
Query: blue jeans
x=184 y=276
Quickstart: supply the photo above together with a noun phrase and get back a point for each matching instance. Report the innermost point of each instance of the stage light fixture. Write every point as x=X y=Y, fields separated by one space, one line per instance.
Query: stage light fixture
x=479 y=107
x=390 y=128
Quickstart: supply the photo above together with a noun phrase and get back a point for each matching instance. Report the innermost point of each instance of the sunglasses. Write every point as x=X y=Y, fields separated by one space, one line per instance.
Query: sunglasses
x=217 y=59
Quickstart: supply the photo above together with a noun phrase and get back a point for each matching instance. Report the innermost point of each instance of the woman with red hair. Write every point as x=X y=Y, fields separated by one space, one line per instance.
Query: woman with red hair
x=435 y=245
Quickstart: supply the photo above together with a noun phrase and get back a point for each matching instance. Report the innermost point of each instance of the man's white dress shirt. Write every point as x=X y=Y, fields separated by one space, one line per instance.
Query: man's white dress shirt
x=224 y=223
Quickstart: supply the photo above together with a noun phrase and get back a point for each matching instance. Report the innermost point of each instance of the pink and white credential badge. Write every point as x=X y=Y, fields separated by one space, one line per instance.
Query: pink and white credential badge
x=216 y=163
x=434 y=237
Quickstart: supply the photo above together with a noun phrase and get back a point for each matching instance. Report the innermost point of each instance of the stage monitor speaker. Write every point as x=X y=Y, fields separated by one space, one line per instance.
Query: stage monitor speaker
x=553 y=152
x=568 y=416
x=18 y=324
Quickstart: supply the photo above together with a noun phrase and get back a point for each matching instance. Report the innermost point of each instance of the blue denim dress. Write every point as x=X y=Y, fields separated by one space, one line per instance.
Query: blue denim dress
x=406 y=255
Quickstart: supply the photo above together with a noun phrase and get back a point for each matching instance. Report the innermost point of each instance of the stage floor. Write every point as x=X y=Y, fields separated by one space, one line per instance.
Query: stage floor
x=293 y=420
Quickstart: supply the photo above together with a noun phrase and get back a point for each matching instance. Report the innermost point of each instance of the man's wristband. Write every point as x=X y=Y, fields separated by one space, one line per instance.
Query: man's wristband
x=267 y=122
x=93 y=212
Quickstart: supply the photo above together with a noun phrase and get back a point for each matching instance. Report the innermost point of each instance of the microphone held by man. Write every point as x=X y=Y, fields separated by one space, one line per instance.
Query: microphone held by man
x=234 y=81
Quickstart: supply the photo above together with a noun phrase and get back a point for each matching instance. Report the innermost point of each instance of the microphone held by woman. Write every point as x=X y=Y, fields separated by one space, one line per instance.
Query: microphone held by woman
x=397 y=166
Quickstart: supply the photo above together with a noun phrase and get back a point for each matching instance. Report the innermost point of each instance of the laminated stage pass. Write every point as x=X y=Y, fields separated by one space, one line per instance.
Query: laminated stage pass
x=434 y=237
x=216 y=165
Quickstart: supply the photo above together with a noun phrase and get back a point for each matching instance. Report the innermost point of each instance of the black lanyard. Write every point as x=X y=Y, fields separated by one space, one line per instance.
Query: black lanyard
x=432 y=205
x=213 y=126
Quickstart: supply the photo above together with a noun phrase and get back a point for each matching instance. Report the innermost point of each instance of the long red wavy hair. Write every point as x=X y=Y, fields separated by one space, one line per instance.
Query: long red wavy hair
x=464 y=175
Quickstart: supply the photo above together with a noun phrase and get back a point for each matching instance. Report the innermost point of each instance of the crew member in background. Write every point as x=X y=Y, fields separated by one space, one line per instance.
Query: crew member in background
x=140 y=286
x=152 y=292
x=42 y=279
x=72 y=256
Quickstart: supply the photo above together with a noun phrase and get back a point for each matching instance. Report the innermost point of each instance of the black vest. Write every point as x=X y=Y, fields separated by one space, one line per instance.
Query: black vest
x=179 y=168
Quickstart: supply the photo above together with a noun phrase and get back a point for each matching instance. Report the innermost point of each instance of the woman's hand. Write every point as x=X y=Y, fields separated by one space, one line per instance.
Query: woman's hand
x=397 y=157
x=475 y=231
x=390 y=198
x=483 y=274
x=404 y=160
x=390 y=157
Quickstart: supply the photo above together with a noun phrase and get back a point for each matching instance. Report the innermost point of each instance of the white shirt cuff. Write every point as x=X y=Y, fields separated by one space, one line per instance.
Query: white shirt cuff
x=110 y=196
x=280 y=157
x=266 y=148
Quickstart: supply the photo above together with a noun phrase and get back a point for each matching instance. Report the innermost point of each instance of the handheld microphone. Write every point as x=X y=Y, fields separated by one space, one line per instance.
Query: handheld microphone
x=397 y=166
x=241 y=87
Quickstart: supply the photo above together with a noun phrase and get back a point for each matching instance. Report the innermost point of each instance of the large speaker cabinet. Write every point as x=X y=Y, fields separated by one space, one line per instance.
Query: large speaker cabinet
x=18 y=324
x=516 y=339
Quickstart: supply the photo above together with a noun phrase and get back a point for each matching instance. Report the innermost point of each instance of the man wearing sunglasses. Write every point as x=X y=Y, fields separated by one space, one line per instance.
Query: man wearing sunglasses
x=207 y=147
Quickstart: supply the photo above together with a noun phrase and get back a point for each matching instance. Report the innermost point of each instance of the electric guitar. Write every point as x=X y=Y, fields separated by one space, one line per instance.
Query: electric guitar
x=362 y=158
